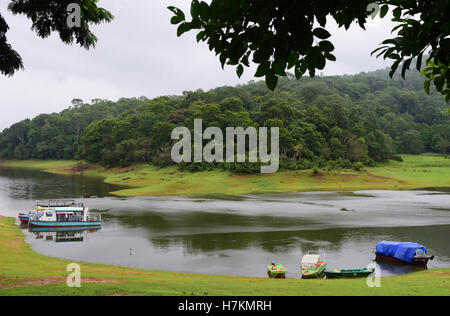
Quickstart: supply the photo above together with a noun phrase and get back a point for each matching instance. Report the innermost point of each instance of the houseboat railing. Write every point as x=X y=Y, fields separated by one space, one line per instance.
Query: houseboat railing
x=58 y=203
x=91 y=217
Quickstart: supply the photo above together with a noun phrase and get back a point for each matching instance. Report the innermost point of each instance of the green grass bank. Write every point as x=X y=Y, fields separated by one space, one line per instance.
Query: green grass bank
x=25 y=272
x=414 y=172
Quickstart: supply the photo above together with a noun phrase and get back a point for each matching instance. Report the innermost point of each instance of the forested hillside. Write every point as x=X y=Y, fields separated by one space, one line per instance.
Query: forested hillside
x=339 y=121
x=58 y=135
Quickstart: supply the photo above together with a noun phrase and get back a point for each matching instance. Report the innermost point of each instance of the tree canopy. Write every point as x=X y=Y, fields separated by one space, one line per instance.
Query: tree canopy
x=47 y=17
x=277 y=35
x=291 y=34
x=343 y=122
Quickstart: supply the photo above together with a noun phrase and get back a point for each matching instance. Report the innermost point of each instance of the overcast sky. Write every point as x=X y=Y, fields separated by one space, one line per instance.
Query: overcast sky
x=139 y=54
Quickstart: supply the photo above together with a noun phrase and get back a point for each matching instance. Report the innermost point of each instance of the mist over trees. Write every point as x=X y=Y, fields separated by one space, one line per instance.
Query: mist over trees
x=339 y=121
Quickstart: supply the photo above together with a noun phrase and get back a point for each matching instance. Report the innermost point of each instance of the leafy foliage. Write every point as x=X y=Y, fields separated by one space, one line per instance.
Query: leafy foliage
x=57 y=135
x=335 y=122
x=285 y=34
x=423 y=28
x=278 y=35
x=47 y=17
x=10 y=60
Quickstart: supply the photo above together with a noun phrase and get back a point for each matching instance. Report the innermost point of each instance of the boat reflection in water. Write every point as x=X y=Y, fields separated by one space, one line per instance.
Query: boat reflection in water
x=389 y=268
x=60 y=235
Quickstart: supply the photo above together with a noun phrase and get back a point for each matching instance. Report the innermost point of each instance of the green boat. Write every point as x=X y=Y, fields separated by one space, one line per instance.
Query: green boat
x=276 y=271
x=312 y=267
x=349 y=273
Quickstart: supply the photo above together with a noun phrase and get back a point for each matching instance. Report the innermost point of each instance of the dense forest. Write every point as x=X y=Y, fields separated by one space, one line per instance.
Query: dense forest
x=334 y=121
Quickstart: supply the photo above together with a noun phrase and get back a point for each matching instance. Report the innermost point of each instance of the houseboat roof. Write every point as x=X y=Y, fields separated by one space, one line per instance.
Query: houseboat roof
x=58 y=203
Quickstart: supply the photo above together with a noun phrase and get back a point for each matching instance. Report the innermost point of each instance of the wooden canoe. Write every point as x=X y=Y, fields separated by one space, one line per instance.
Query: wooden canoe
x=348 y=273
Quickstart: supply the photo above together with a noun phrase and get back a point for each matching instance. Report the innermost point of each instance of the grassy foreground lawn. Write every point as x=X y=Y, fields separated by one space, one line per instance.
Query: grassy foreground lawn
x=25 y=272
x=414 y=172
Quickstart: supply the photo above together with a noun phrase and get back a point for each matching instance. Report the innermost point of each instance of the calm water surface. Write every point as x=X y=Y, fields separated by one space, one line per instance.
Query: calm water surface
x=233 y=235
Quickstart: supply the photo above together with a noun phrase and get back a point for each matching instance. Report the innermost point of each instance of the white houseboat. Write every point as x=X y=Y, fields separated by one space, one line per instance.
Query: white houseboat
x=63 y=214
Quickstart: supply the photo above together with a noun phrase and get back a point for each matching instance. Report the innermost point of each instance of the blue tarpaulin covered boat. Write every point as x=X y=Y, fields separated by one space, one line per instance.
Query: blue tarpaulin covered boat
x=408 y=252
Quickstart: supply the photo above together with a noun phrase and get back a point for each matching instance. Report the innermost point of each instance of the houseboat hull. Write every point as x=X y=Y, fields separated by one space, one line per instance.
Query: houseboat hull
x=422 y=261
x=42 y=224
x=64 y=229
x=23 y=218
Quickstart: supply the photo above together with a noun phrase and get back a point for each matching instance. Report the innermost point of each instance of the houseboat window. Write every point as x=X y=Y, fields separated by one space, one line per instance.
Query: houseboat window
x=48 y=214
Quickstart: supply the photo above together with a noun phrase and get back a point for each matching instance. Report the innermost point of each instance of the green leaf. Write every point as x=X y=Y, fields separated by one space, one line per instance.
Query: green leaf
x=419 y=61
x=385 y=51
x=406 y=65
x=223 y=59
x=195 y=8
x=392 y=56
x=176 y=20
x=183 y=28
x=177 y=12
x=292 y=60
x=322 y=19
x=439 y=82
x=271 y=80
x=239 y=70
x=200 y=36
x=244 y=60
x=300 y=69
x=330 y=57
x=394 y=68
x=262 y=54
x=376 y=50
x=262 y=70
x=279 y=69
x=426 y=86
x=204 y=10
x=397 y=27
x=397 y=13
x=321 y=33
x=326 y=46
x=384 y=10
x=316 y=59
x=393 y=41
x=425 y=71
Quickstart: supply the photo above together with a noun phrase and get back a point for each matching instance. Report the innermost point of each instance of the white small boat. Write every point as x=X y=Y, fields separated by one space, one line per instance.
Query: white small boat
x=312 y=266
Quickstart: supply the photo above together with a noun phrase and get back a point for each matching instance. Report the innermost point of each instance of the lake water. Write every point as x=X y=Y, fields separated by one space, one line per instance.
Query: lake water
x=233 y=235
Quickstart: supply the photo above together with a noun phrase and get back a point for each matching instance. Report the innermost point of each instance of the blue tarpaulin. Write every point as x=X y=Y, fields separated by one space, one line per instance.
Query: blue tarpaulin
x=404 y=251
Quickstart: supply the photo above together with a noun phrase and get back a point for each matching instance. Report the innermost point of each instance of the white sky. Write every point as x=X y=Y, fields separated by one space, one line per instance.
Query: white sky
x=139 y=54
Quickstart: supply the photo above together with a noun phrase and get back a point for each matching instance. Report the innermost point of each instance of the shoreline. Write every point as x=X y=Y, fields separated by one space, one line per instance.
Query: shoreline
x=26 y=272
x=415 y=172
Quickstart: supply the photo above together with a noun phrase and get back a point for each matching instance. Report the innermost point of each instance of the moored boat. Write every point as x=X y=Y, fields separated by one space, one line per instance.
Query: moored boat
x=276 y=271
x=64 y=214
x=312 y=267
x=403 y=252
x=349 y=273
x=25 y=217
